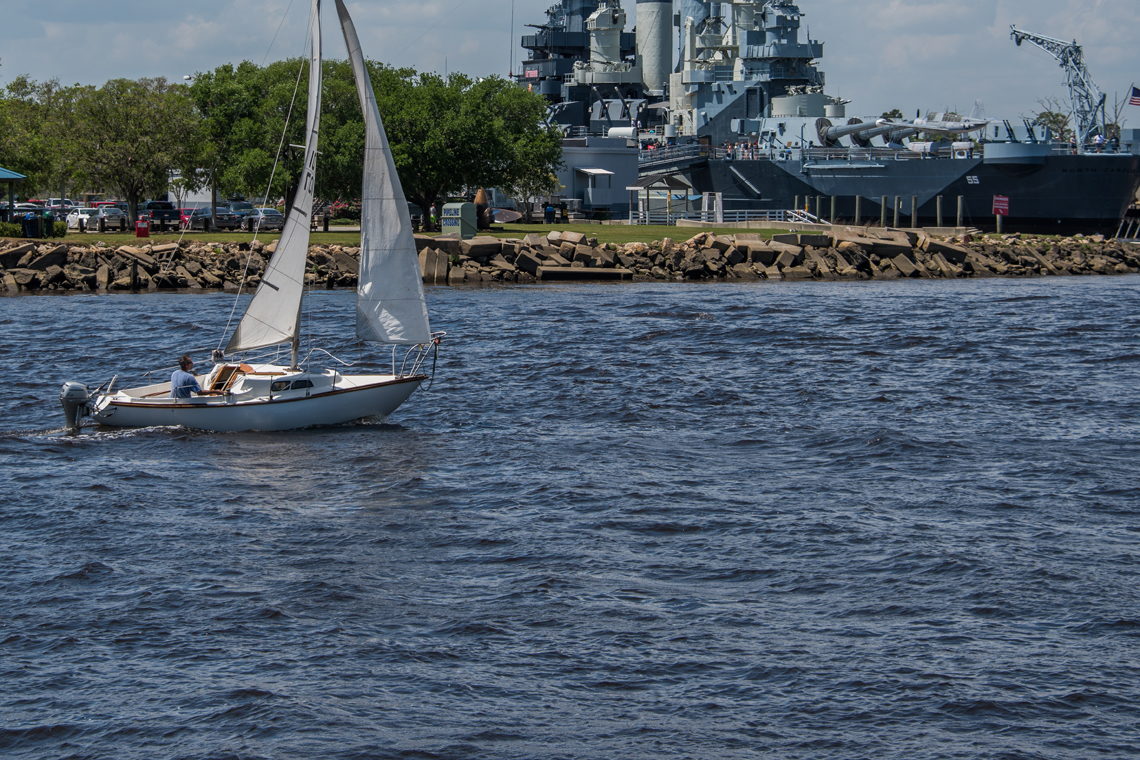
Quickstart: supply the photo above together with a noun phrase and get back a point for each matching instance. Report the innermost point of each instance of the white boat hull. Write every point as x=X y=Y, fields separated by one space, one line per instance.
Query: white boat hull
x=342 y=399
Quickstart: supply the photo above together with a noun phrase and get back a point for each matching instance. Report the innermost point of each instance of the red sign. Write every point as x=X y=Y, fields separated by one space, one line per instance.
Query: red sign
x=1001 y=205
x=531 y=74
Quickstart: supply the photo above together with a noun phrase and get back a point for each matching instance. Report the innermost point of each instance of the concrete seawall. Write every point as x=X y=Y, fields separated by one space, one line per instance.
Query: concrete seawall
x=854 y=253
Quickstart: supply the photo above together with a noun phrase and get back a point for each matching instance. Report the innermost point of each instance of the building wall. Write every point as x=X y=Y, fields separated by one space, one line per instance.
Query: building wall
x=614 y=154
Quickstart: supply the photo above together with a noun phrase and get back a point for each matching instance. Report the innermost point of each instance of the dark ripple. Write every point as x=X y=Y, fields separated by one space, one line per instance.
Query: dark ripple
x=842 y=520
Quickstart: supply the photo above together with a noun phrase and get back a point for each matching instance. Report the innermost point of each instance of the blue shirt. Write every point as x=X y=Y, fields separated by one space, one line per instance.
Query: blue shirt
x=182 y=383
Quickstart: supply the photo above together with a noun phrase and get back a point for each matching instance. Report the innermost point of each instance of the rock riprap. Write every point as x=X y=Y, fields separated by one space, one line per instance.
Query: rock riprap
x=852 y=253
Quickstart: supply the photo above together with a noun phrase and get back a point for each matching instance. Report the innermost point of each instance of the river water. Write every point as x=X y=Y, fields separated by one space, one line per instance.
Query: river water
x=804 y=520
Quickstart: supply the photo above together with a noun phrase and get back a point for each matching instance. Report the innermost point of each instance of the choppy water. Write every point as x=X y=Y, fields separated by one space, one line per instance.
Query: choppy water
x=888 y=520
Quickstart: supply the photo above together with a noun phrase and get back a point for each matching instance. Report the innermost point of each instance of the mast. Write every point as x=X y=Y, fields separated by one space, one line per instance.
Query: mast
x=273 y=316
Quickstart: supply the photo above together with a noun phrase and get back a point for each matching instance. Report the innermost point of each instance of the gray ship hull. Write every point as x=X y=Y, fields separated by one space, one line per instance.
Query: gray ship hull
x=1066 y=192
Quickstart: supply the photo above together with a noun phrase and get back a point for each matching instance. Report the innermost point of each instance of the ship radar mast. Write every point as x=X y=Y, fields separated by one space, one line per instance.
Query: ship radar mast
x=1086 y=98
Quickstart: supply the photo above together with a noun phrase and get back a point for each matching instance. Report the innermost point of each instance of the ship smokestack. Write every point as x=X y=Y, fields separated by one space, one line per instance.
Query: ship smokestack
x=654 y=42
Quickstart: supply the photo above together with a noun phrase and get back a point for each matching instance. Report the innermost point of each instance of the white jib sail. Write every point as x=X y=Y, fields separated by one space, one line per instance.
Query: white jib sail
x=390 y=305
x=273 y=315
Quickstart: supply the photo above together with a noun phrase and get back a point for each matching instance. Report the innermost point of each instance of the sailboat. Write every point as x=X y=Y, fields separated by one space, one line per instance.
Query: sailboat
x=390 y=308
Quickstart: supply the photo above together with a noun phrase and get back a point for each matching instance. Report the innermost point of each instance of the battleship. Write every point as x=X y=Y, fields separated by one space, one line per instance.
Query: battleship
x=736 y=117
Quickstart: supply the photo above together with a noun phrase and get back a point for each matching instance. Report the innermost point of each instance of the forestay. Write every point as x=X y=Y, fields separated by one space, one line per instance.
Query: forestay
x=273 y=315
x=390 y=304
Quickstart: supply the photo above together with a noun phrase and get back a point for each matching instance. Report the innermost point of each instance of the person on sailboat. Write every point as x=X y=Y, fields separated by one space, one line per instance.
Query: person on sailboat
x=182 y=383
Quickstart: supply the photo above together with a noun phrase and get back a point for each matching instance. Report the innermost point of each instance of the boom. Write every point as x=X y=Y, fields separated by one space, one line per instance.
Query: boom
x=1086 y=98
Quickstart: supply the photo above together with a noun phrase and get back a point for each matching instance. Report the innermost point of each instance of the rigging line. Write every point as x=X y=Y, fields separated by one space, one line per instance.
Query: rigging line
x=265 y=198
x=273 y=41
x=281 y=143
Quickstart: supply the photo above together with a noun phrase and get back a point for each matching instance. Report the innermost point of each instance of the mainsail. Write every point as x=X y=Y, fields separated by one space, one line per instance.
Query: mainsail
x=390 y=304
x=274 y=314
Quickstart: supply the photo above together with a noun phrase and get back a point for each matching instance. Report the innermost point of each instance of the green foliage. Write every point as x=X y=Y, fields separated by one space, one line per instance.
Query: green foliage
x=447 y=135
x=135 y=132
x=226 y=130
x=16 y=230
x=453 y=135
x=38 y=134
x=1057 y=122
x=243 y=114
x=894 y=113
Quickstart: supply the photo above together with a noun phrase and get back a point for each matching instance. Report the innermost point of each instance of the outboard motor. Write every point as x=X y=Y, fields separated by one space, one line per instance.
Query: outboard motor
x=74 y=397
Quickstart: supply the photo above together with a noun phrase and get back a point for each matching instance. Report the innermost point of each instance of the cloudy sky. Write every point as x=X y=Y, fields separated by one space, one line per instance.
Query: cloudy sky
x=910 y=54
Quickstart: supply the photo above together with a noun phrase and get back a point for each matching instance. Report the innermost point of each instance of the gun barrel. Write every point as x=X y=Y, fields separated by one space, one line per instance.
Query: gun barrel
x=830 y=134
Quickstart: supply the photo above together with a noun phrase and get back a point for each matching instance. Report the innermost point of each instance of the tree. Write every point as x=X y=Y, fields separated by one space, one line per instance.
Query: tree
x=233 y=153
x=534 y=151
x=15 y=131
x=1055 y=117
x=456 y=134
x=38 y=133
x=894 y=113
x=229 y=127
x=533 y=188
x=252 y=115
x=135 y=133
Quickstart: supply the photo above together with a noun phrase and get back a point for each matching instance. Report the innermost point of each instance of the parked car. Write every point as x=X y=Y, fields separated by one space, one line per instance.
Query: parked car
x=103 y=218
x=162 y=214
x=416 y=214
x=263 y=219
x=121 y=205
x=108 y=218
x=224 y=219
x=61 y=205
x=77 y=215
x=241 y=208
x=184 y=217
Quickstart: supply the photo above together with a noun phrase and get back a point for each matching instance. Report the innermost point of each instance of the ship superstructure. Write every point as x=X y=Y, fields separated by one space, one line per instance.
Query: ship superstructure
x=744 y=114
x=742 y=62
x=583 y=61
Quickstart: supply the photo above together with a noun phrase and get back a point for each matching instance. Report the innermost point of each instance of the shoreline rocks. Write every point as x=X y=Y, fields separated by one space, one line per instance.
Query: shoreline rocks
x=842 y=254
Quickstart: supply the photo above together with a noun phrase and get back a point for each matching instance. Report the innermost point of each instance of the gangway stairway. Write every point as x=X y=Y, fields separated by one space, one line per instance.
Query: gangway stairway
x=1129 y=229
x=805 y=217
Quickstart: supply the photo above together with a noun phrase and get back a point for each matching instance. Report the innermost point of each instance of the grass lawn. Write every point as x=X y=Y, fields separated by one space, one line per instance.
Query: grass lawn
x=605 y=233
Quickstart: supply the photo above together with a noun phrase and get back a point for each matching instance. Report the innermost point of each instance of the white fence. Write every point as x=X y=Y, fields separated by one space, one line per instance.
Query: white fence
x=730 y=217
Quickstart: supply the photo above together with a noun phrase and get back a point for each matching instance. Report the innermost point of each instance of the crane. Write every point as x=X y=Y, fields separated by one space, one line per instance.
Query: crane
x=1087 y=99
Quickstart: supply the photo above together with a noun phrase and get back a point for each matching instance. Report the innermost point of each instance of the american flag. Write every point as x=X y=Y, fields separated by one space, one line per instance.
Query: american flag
x=1135 y=99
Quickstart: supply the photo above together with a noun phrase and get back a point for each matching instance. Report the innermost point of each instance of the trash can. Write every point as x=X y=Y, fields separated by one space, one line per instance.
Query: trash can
x=33 y=226
x=142 y=227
